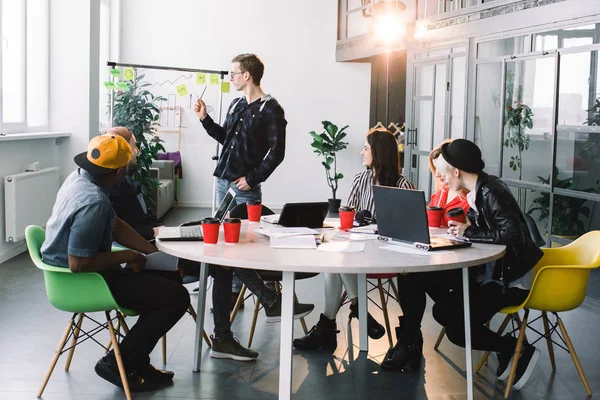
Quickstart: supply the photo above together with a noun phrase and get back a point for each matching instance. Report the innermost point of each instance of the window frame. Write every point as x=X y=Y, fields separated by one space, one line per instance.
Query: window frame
x=23 y=127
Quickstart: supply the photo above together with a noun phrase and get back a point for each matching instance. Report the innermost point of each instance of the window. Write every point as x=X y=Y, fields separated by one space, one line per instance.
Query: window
x=24 y=67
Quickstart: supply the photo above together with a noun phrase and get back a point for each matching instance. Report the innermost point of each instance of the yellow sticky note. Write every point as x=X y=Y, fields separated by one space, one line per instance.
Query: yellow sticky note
x=182 y=90
x=201 y=79
x=116 y=72
x=129 y=74
x=214 y=79
x=123 y=85
x=225 y=87
x=110 y=85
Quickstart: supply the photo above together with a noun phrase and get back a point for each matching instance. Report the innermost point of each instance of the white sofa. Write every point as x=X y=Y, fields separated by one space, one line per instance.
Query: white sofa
x=164 y=195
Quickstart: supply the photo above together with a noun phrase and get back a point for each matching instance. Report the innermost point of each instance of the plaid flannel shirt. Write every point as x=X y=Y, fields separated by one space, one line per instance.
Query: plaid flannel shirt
x=253 y=139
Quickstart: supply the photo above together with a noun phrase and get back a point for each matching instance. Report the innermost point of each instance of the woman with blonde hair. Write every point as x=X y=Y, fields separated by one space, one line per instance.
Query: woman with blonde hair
x=444 y=196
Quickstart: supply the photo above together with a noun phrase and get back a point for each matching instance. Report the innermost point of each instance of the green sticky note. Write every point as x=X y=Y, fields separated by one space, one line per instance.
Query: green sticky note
x=110 y=85
x=214 y=79
x=182 y=90
x=129 y=74
x=116 y=72
x=123 y=85
x=225 y=87
x=201 y=79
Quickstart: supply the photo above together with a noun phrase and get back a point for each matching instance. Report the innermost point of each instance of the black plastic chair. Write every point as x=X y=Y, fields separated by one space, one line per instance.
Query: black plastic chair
x=241 y=211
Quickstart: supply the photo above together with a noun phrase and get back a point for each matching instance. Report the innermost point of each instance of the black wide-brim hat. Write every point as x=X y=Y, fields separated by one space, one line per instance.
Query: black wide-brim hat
x=464 y=155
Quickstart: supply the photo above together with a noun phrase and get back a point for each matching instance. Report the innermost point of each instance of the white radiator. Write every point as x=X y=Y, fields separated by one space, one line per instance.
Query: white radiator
x=28 y=200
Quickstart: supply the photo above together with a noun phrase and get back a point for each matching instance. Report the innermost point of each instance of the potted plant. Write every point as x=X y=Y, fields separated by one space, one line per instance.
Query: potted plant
x=566 y=210
x=135 y=108
x=327 y=144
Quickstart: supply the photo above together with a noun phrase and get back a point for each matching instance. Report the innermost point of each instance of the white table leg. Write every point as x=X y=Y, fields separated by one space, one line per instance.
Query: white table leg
x=363 y=338
x=200 y=315
x=287 y=335
x=468 y=349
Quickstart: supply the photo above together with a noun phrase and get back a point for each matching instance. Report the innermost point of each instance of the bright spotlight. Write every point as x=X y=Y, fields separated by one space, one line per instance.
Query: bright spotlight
x=388 y=28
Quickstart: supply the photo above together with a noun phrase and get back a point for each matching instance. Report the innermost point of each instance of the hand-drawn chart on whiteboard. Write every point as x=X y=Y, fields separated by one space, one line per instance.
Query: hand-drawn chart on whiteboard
x=180 y=91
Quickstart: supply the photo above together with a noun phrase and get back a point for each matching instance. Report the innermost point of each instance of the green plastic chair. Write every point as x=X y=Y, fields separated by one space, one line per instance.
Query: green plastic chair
x=79 y=294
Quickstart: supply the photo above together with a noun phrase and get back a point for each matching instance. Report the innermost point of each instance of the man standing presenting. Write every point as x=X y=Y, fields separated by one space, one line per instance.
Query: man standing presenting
x=253 y=135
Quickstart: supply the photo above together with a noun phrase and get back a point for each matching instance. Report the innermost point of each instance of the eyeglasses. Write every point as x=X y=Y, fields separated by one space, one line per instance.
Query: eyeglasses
x=232 y=73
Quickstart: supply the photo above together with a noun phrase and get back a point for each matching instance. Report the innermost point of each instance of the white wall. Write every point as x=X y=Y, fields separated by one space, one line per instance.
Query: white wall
x=70 y=77
x=296 y=41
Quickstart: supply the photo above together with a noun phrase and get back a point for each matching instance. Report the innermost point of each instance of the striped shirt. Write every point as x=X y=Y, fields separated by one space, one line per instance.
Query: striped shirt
x=361 y=192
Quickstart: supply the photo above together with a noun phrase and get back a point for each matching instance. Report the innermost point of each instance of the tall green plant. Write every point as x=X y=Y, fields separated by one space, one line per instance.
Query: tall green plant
x=518 y=119
x=135 y=108
x=327 y=144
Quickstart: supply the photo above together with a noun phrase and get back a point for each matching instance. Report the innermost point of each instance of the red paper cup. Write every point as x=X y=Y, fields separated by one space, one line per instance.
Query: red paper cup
x=231 y=227
x=210 y=230
x=434 y=216
x=457 y=214
x=254 y=210
x=346 y=217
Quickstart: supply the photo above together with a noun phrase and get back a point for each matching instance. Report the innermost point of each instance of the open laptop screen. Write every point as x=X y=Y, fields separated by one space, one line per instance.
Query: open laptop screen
x=225 y=205
x=401 y=214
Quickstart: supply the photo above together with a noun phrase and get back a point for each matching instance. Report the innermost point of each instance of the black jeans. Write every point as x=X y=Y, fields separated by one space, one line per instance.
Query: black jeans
x=159 y=299
x=222 y=294
x=445 y=289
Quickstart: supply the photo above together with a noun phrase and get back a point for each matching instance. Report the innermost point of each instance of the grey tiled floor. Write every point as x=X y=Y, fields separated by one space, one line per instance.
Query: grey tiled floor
x=30 y=328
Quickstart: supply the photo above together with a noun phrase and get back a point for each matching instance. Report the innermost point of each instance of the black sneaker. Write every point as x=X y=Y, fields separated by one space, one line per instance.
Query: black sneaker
x=108 y=370
x=504 y=365
x=321 y=336
x=374 y=329
x=150 y=372
x=527 y=361
x=229 y=347
x=273 y=313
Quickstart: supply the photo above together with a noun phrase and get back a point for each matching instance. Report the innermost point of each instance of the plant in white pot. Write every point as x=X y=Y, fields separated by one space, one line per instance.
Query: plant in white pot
x=327 y=144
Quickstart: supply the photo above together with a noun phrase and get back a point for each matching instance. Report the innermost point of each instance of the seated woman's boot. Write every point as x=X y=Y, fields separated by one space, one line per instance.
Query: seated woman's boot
x=374 y=329
x=322 y=336
x=404 y=355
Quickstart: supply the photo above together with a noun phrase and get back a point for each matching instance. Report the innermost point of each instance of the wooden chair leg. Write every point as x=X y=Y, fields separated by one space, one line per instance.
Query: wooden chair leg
x=204 y=335
x=563 y=330
x=118 y=328
x=440 y=338
x=238 y=304
x=549 y=340
x=486 y=355
x=253 y=326
x=59 y=349
x=164 y=350
x=386 y=317
x=117 y=352
x=395 y=289
x=74 y=342
x=517 y=354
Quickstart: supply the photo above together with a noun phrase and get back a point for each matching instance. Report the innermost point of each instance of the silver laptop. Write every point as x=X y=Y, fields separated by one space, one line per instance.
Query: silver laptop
x=402 y=218
x=192 y=231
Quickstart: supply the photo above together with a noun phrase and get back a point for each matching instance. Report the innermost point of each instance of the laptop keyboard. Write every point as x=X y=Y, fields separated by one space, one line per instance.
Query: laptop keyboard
x=190 y=231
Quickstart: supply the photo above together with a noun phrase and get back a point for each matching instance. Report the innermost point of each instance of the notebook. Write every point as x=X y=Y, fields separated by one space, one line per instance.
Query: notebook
x=192 y=231
x=402 y=219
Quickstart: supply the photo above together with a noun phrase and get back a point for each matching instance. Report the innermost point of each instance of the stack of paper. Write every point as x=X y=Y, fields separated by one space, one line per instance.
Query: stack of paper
x=290 y=238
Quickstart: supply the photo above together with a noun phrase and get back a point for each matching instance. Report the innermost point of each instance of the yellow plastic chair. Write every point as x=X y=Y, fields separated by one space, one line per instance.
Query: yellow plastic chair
x=560 y=284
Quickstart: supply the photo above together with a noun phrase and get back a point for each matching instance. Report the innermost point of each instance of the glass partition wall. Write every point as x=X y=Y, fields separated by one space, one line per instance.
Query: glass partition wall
x=537 y=121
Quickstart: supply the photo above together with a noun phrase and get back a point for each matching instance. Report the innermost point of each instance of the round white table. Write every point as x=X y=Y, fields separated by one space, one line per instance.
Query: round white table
x=254 y=251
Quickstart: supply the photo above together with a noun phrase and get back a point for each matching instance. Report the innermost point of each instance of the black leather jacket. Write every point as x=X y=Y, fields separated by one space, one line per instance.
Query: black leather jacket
x=501 y=221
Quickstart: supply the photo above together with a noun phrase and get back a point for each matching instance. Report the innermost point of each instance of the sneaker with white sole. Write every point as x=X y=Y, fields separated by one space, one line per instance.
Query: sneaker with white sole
x=273 y=313
x=527 y=361
x=504 y=365
x=230 y=348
